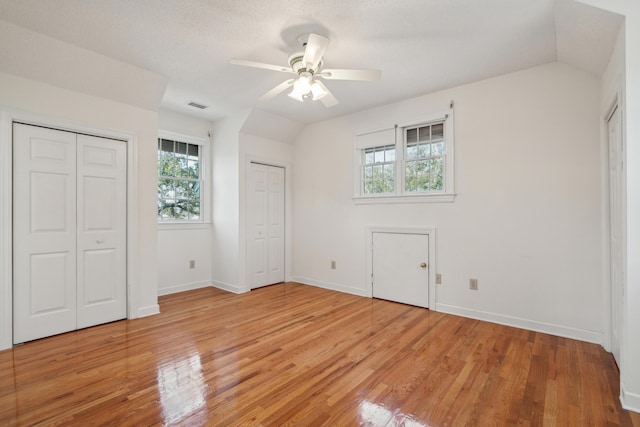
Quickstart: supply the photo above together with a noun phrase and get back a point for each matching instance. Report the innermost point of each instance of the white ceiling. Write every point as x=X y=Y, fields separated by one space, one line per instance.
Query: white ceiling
x=421 y=46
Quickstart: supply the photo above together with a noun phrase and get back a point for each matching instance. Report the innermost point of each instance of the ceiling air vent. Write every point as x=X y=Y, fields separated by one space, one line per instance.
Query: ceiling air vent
x=196 y=105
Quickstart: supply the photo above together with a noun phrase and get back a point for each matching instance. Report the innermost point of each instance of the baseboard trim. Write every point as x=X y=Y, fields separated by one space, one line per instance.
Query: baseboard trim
x=229 y=287
x=517 y=322
x=148 y=311
x=630 y=401
x=183 y=287
x=330 y=286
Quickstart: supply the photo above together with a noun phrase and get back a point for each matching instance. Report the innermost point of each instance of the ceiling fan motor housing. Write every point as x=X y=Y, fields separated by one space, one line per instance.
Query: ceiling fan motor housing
x=295 y=61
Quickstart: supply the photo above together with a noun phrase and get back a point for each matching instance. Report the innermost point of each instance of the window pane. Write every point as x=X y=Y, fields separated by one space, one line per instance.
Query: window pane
x=181 y=166
x=379 y=155
x=166 y=189
x=377 y=178
x=368 y=156
x=410 y=176
x=388 y=178
x=193 y=168
x=424 y=150
x=368 y=179
x=412 y=135
x=181 y=148
x=437 y=174
x=437 y=148
x=390 y=154
x=423 y=133
x=437 y=131
x=166 y=163
x=412 y=151
x=182 y=189
x=166 y=145
x=193 y=150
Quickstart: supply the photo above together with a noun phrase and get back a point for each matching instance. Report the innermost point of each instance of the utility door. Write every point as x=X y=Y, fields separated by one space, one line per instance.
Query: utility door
x=101 y=230
x=616 y=228
x=400 y=270
x=266 y=206
x=44 y=232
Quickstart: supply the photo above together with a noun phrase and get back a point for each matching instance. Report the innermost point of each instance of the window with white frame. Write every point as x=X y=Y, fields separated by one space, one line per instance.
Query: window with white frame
x=378 y=176
x=406 y=163
x=180 y=180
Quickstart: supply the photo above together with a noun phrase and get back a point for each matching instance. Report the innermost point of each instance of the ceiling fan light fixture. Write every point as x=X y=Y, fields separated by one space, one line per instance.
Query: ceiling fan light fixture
x=317 y=91
x=301 y=87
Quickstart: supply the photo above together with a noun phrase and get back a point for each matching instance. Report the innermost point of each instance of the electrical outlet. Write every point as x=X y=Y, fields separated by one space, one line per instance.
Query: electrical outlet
x=438 y=279
x=473 y=284
x=192 y=263
x=333 y=265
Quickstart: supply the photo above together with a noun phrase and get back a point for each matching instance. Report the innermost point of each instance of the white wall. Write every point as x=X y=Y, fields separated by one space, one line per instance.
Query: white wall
x=226 y=196
x=233 y=149
x=526 y=221
x=88 y=111
x=178 y=244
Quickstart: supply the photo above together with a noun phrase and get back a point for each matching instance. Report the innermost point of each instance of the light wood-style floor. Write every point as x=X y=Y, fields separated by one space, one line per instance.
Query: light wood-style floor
x=291 y=354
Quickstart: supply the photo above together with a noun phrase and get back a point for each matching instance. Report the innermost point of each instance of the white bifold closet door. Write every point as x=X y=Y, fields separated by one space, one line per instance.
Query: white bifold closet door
x=69 y=231
x=266 y=224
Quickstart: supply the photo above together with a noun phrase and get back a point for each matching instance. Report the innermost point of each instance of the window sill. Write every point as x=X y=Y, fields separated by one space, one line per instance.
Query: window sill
x=422 y=198
x=183 y=225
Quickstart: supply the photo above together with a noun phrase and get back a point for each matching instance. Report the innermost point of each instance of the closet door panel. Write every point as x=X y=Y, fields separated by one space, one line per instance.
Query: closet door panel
x=101 y=230
x=44 y=232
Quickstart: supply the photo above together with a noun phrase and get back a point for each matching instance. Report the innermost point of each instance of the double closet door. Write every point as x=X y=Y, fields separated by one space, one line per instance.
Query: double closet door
x=69 y=231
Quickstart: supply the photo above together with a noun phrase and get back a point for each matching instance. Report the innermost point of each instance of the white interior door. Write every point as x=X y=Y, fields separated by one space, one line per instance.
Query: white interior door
x=69 y=231
x=400 y=270
x=616 y=228
x=266 y=224
x=101 y=230
x=44 y=232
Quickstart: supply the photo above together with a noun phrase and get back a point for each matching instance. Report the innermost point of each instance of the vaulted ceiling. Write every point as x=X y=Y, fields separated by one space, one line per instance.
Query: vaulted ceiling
x=421 y=46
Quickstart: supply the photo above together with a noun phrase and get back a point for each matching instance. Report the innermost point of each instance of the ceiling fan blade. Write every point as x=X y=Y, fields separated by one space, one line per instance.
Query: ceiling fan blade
x=262 y=65
x=328 y=99
x=341 y=74
x=313 y=53
x=277 y=90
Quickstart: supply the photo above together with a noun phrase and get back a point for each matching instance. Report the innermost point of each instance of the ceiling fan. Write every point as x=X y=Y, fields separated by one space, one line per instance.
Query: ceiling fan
x=307 y=65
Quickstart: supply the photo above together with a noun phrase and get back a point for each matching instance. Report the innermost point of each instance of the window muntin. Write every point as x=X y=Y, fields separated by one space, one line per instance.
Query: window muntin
x=425 y=150
x=179 y=180
x=378 y=171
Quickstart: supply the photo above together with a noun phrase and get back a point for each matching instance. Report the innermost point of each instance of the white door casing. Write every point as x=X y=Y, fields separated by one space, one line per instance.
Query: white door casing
x=616 y=227
x=69 y=231
x=266 y=207
x=44 y=232
x=101 y=230
x=394 y=264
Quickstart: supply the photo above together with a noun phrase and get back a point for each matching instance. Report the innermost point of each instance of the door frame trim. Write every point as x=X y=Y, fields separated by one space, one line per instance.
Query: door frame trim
x=614 y=100
x=429 y=231
x=7 y=117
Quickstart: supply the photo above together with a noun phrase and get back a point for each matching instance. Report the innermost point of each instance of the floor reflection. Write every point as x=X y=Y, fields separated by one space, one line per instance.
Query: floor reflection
x=182 y=389
x=374 y=414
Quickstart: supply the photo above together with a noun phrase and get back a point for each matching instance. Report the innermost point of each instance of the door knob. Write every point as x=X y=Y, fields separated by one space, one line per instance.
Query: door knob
x=423 y=265
x=99 y=241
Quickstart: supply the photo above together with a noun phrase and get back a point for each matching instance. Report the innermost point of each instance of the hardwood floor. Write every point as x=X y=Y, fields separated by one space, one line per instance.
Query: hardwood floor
x=291 y=354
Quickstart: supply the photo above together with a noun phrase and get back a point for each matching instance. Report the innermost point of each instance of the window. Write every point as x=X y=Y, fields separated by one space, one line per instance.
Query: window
x=406 y=163
x=179 y=180
x=379 y=165
x=424 y=158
